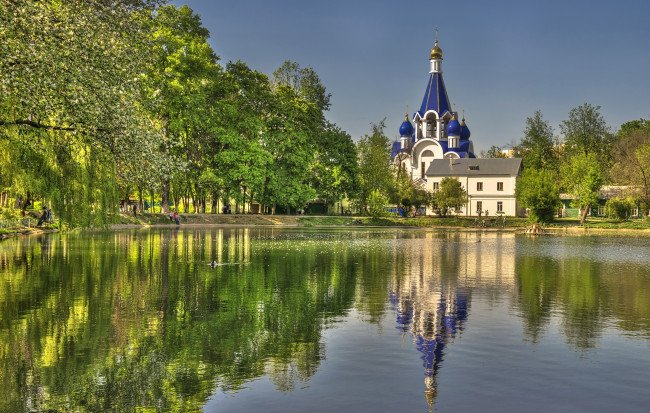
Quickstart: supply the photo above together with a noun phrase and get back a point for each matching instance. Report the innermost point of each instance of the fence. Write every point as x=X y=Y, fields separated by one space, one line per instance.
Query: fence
x=18 y=223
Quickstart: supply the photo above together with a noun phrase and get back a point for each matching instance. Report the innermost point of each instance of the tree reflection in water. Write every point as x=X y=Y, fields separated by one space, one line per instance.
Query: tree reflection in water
x=134 y=320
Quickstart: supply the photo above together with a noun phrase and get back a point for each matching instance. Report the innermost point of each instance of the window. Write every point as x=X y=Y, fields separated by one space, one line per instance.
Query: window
x=499 y=207
x=435 y=186
x=430 y=130
x=479 y=206
x=422 y=170
x=479 y=186
x=499 y=186
x=635 y=211
x=601 y=211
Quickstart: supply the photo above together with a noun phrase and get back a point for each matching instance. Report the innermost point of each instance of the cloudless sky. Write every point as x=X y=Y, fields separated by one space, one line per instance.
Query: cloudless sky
x=503 y=60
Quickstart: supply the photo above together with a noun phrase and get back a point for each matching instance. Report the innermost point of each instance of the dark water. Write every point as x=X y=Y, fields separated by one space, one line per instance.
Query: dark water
x=324 y=320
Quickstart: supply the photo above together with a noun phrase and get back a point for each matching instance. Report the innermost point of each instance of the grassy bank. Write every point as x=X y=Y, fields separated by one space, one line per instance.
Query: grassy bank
x=565 y=225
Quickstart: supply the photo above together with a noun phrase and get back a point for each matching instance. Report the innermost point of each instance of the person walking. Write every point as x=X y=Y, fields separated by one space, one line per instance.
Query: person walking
x=43 y=217
x=135 y=207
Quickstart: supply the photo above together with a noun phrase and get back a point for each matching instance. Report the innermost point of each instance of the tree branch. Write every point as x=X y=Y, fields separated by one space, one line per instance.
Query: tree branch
x=36 y=125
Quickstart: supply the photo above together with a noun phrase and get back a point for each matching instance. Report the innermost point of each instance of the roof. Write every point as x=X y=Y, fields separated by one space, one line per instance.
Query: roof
x=474 y=167
x=435 y=98
x=608 y=192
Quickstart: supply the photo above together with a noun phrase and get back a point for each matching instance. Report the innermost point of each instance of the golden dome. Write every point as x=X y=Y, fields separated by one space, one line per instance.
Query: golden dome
x=436 y=52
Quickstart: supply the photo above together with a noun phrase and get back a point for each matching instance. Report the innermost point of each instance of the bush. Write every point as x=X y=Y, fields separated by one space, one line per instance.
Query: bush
x=619 y=208
x=10 y=214
x=377 y=204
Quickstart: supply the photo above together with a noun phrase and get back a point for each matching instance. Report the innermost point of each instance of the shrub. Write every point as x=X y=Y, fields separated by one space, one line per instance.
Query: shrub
x=377 y=204
x=619 y=208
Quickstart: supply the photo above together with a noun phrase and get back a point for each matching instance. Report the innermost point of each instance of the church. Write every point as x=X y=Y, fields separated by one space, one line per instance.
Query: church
x=436 y=145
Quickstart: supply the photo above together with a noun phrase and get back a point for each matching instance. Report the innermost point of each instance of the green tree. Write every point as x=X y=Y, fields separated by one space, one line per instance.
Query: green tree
x=70 y=73
x=242 y=120
x=537 y=145
x=335 y=171
x=619 y=208
x=586 y=131
x=409 y=193
x=493 y=152
x=375 y=172
x=584 y=176
x=377 y=204
x=305 y=82
x=178 y=92
x=537 y=191
x=631 y=157
x=290 y=148
x=450 y=195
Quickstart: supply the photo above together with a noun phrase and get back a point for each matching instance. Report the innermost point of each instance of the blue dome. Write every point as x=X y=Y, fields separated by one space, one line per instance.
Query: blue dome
x=406 y=129
x=453 y=128
x=464 y=131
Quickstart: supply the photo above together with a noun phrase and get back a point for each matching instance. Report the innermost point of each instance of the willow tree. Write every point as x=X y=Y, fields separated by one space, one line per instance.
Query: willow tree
x=69 y=76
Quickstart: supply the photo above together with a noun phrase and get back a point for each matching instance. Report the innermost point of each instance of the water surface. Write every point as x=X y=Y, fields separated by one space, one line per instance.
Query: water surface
x=324 y=320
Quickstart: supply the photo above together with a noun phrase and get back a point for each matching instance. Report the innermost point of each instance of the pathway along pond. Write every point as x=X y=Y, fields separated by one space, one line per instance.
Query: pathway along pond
x=343 y=320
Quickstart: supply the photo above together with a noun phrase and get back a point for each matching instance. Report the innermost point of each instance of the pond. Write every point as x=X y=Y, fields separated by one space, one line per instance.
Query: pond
x=320 y=320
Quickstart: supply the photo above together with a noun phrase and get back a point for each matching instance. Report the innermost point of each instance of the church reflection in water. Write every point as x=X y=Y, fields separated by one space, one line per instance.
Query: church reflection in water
x=432 y=299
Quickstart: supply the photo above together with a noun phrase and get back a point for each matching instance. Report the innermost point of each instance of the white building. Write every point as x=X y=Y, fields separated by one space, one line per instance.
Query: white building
x=490 y=184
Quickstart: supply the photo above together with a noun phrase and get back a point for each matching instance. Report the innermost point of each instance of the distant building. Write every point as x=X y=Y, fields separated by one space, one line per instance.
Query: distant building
x=490 y=184
x=437 y=145
x=605 y=194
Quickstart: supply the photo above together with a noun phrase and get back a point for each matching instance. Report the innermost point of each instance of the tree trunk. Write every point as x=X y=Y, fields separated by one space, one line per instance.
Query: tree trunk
x=141 y=202
x=27 y=202
x=584 y=214
x=164 y=201
x=243 y=204
x=164 y=197
x=215 y=203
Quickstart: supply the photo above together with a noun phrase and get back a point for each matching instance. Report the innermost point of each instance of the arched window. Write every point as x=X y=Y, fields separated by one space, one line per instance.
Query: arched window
x=427 y=153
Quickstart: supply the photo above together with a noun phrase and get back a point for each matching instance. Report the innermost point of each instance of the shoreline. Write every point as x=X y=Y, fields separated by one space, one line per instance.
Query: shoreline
x=515 y=225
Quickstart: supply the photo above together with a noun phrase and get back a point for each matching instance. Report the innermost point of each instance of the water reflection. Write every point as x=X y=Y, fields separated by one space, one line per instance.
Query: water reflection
x=139 y=319
x=433 y=290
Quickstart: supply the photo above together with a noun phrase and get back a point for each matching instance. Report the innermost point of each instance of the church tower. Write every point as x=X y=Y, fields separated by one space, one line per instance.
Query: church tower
x=435 y=132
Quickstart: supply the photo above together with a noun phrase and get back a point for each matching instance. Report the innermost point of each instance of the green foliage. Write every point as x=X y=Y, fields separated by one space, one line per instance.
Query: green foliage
x=409 y=193
x=537 y=190
x=10 y=214
x=377 y=204
x=335 y=170
x=632 y=126
x=631 y=156
x=304 y=81
x=537 y=145
x=375 y=172
x=584 y=177
x=69 y=81
x=450 y=196
x=619 y=208
x=138 y=104
x=494 y=152
x=586 y=131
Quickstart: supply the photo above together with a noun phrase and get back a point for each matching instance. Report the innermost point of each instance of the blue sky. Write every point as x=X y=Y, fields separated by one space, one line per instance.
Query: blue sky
x=502 y=59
